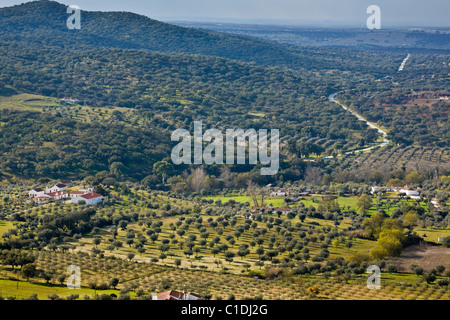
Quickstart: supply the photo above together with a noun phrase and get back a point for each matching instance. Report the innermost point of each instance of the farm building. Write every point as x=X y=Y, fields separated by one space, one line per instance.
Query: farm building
x=409 y=192
x=56 y=188
x=88 y=198
x=58 y=195
x=176 y=295
x=281 y=193
x=59 y=192
x=36 y=193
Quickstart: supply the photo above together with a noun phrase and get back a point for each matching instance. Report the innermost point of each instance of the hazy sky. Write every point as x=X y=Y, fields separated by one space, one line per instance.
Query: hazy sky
x=393 y=12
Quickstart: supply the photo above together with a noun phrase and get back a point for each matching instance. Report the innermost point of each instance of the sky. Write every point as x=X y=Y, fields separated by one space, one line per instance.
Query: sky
x=393 y=12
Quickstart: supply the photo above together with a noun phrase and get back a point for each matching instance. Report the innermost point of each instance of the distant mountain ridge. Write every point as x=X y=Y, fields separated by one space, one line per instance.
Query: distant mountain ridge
x=44 y=23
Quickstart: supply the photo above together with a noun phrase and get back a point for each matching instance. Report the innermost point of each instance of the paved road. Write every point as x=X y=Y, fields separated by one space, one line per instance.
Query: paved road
x=371 y=125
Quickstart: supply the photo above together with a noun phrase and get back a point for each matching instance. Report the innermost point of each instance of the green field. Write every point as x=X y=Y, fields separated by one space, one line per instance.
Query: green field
x=275 y=201
x=23 y=290
x=26 y=101
x=432 y=234
x=345 y=202
x=5 y=226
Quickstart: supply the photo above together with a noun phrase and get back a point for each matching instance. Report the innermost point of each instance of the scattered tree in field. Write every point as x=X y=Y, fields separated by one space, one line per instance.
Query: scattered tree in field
x=410 y=219
x=364 y=203
x=28 y=271
x=113 y=282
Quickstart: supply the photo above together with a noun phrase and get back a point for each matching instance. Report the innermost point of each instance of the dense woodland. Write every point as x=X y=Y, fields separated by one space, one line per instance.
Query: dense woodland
x=170 y=76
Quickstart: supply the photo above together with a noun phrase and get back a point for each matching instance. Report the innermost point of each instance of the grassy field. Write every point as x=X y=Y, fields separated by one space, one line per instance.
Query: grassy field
x=275 y=201
x=23 y=290
x=5 y=226
x=26 y=101
x=345 y=202
x=432 y=234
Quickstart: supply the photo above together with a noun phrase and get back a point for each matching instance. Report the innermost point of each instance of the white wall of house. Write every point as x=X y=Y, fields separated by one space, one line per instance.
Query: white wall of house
x=88 y=201
x=55 y=189
x=410 y=192
x=94 y=201
x=35 y=194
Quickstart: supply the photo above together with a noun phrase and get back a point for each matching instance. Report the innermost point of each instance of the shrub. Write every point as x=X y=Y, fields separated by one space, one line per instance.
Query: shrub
x=392 y=268
x=443 y=282
x=73 y=297
x=429 y=278
x=446 y=242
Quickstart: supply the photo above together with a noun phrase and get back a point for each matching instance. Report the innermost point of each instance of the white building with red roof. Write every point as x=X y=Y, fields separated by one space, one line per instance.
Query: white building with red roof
x=176 y=295
x=88 y=198
x=56 y=188
x=58 y=195
x=42 y=199
x=36 y=193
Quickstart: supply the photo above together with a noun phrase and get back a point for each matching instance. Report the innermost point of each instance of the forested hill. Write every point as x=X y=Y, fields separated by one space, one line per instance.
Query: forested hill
x=44 y=23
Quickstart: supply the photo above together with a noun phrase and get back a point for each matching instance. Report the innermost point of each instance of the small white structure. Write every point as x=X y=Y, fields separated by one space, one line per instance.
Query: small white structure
x=69 y=100
x=410 y=192
x=376 y=188
x=89 y=198
x=280 y=193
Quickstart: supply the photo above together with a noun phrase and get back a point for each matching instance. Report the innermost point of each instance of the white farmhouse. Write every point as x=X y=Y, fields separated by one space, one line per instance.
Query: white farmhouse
x=56 y=188
x=58 y=195
x=410 y=192
x=74 y=194
x=280 y=193
x=42 y=199
x=89 y=198
x=38 y=192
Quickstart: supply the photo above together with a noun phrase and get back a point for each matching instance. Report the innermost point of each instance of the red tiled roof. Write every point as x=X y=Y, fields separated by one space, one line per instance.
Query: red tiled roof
x=91 y=196
x=58 y=193
x=78 y=192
